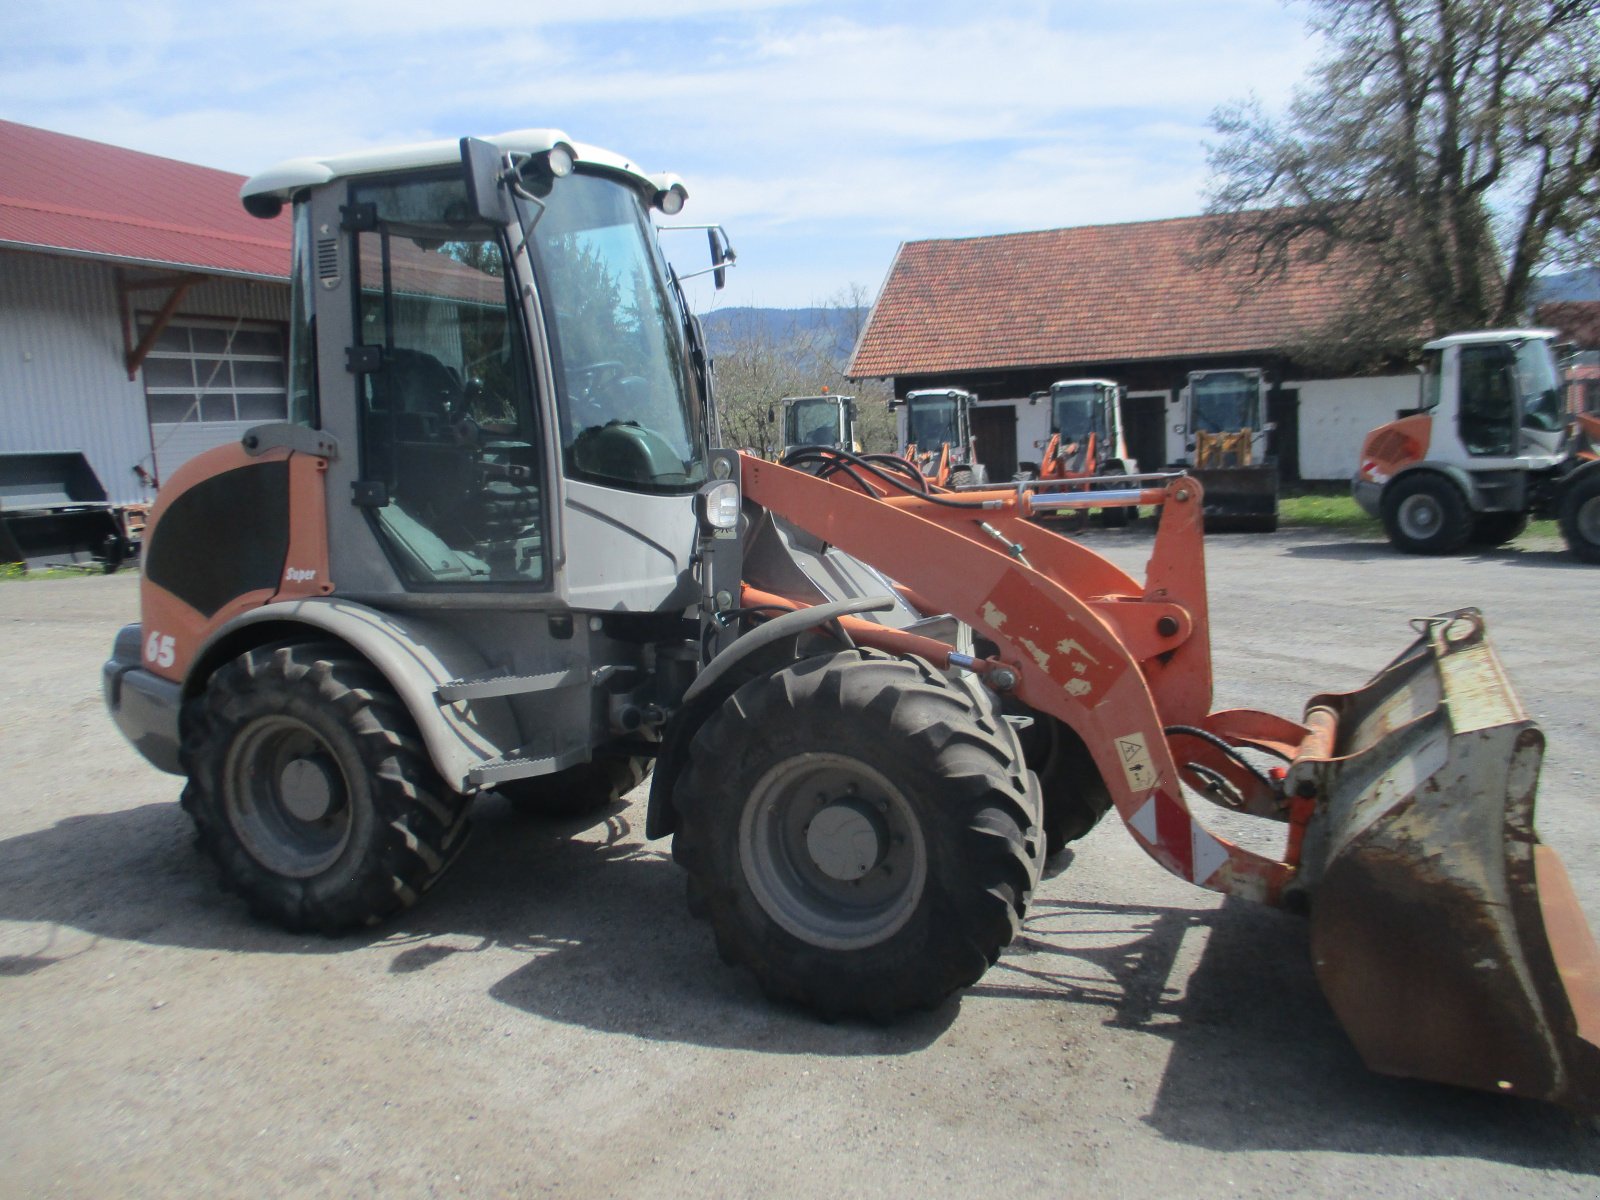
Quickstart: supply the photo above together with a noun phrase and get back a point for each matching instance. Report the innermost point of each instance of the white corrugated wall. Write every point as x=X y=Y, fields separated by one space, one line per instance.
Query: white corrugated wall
x=63 y=385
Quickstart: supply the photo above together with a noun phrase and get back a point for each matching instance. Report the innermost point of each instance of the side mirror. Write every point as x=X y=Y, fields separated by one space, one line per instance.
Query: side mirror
x=481 y=163
x=772 y=415
x=721 y=255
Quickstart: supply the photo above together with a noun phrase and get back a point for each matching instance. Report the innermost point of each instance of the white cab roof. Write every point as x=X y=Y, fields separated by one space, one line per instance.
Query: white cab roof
x=286 y=178
x=1483 y=336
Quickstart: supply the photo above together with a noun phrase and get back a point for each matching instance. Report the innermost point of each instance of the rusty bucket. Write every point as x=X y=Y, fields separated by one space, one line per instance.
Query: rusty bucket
x=1446 y=936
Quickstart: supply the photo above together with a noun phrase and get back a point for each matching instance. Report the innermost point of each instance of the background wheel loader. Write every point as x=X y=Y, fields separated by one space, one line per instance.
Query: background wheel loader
x=1228 y=436
x=1086 y=439
x=935 y=429
x=495 y=551
x=827 y=420
x=1489 y=445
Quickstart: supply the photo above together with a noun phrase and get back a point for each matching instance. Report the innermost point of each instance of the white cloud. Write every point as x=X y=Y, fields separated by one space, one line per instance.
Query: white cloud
x=820 y=130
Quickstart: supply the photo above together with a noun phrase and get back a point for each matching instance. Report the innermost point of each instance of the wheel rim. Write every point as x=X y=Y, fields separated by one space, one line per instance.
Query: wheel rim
x=287 y=797
x=1588 y=521
x=832 y=851
x=1420 y=517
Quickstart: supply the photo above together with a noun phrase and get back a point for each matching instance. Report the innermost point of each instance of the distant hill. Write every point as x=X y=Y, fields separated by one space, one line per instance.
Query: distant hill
x=726 y=327
x=1583 y=284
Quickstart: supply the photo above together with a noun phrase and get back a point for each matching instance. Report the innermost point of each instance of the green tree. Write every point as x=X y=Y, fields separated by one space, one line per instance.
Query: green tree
x=1448 y=148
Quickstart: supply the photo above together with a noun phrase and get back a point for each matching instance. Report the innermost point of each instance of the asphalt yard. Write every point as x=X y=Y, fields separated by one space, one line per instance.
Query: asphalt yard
x=550 y=1019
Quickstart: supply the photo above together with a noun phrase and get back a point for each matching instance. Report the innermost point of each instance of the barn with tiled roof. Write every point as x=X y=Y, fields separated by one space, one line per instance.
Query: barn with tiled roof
x=143 y=312
x=1005 y=315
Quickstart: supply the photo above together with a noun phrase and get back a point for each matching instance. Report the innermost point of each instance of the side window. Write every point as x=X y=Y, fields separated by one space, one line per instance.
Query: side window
x=1488 y=418
x=449 y=438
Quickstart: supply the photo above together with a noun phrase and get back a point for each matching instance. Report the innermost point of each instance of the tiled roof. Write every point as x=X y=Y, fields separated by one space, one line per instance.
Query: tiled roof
x=70 y=195
x=1093 y=294
x=1578 y=321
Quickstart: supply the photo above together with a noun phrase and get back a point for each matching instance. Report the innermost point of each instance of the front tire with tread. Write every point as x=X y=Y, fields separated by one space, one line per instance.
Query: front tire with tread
x=1580 y=518
x=1425 y=513
x=309 y=787
x=958 y=843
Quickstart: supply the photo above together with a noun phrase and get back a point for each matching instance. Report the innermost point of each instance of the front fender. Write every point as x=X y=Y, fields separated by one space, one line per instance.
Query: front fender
x=723 y=676
x=1456 y=475
x=414 y=654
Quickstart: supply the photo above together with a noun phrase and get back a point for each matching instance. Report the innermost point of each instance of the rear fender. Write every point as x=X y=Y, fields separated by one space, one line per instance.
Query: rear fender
x=415 y=655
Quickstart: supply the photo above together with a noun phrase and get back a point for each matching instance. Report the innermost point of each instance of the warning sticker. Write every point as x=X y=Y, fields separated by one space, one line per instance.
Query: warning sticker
x=1136 y=764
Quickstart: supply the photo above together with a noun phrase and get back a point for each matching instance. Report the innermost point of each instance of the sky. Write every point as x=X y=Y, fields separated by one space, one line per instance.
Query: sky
x=821 y=135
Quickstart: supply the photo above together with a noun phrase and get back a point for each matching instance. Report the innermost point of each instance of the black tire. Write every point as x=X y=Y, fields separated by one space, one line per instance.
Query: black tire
x=1498 y=528
x=281 y=732
x=1426 y=513
x=577 y=791
x=1073 y=794
x=960 y=477
x=1580 y=517
x=935 y=847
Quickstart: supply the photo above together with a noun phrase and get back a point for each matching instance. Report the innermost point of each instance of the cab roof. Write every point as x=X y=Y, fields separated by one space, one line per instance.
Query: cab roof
x=282 y=181
x=1485 y=336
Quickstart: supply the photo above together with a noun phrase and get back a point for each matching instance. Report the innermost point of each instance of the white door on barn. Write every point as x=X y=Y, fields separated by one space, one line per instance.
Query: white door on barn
x=207 y=381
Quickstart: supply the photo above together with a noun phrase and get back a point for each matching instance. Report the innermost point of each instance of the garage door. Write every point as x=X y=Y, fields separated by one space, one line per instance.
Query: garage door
x=206 y=382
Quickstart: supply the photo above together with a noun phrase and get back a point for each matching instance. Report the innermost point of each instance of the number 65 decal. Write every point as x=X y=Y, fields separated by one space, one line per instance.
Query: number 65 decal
x=158 y=649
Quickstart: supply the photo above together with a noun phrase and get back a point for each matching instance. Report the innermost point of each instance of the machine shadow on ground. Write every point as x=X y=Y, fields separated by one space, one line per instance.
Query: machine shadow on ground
x=1258 y=1060
x=1543 y=557
x=599 y=919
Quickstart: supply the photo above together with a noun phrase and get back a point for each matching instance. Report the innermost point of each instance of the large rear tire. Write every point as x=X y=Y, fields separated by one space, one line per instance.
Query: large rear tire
x=1497 y=528
x=1073 y=795
x=858 y=836
x=1580 y=518
x=310 y=789
x=577 y=791
x=1425 y=513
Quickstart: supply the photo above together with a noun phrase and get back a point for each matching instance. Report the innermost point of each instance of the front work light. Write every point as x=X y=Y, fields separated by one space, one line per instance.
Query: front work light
x=719 y=505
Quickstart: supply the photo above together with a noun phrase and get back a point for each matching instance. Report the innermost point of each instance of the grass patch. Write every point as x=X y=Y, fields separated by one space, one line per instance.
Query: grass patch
x=17 y=573
x=1325 y=512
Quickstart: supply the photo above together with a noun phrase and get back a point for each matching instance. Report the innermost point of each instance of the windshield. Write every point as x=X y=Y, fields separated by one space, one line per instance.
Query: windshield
x=813 y=422
x=931 y=422
x=1224 y=402
x=629 y=412
x=1539 y=386
x=1073 y=415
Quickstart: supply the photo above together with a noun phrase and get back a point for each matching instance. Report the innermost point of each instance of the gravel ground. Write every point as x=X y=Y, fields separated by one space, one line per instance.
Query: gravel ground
x=549 y=1020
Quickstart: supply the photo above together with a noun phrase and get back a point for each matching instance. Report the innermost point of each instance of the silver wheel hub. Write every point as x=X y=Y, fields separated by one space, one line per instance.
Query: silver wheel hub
x=1420 y=516
x=847 y=839
x=307 y=789
x=832 y=850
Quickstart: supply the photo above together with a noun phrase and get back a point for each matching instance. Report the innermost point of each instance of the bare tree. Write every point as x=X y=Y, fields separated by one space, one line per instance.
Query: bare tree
x=757 y=366
x=1449 y=148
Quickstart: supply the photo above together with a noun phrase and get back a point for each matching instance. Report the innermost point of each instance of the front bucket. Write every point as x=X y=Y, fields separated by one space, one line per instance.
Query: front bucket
x=1239 y=499
x=1447 y=938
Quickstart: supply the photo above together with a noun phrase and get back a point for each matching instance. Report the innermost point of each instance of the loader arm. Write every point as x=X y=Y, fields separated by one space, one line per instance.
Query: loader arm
x=1444 y=933
x=1117 y=660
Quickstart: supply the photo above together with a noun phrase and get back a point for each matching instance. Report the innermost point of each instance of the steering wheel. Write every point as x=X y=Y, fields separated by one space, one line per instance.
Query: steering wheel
x=584 y=384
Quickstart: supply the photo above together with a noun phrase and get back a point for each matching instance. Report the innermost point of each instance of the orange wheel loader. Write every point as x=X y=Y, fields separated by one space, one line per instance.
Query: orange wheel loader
x=494 y=550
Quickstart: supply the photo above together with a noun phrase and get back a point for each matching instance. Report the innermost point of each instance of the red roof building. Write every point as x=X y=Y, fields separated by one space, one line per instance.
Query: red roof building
x=1003 y=316
x=1095 y=294
x=65 y=195
x=143 y=312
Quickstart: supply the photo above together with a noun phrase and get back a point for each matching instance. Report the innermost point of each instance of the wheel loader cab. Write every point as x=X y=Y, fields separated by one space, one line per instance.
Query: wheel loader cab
x=518 y=385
